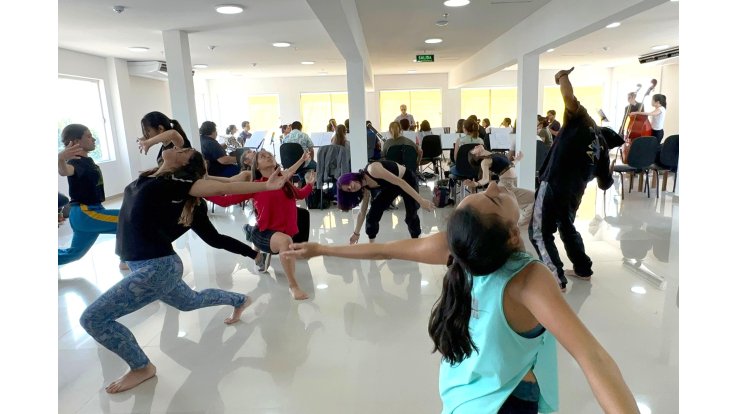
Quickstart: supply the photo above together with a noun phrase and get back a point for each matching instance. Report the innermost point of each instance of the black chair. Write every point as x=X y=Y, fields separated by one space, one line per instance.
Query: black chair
x=463 y=169
x=669 y=156
x=432 y=151
x=487 y=142
x=371 y=146
x=641 y=157
x=291 y=152
x=542 y=151
x=405 y=155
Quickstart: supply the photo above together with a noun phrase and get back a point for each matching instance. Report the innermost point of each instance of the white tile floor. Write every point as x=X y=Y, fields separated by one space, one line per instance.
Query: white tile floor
x=360 y=345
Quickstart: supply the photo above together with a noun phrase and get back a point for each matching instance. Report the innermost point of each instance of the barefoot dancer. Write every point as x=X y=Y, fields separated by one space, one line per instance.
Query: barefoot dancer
x=277 y=217
x=144 y=242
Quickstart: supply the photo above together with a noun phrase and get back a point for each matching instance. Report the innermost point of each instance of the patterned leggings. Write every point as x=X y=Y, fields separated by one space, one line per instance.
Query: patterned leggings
x=150 y=280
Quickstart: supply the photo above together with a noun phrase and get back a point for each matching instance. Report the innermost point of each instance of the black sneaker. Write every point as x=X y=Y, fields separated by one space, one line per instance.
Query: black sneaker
x=263 y=262
x=248 y=229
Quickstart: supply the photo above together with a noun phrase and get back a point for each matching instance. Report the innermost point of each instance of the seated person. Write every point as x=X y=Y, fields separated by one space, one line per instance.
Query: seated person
x=218 y=162
x=296 y=135
x=397 y=139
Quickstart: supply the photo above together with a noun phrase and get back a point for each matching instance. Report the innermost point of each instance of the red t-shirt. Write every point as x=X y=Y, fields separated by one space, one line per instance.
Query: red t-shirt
x=276 y=211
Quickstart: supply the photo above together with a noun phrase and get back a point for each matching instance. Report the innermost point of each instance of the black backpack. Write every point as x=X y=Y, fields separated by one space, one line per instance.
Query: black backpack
x=319 y=198
x=441 y=193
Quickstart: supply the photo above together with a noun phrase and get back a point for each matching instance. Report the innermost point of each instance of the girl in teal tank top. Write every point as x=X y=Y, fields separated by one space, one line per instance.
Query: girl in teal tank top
x=499 y=315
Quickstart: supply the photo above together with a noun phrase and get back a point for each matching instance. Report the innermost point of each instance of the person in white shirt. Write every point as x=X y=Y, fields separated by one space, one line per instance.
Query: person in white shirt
x=404 y=115
x=659 y=102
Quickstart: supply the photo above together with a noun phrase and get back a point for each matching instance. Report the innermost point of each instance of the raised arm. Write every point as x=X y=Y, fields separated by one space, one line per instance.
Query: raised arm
x=561 y=78
x=241 y=176
x=485 y=167
x=306 y=156
x=541 y=296
x=165 y=137
x=72 y=151
x=377 y=171
x=431 y=250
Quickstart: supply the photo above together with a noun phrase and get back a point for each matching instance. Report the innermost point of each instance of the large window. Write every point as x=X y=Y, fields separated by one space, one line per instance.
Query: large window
x=493 y=103
x=591 y=97
x=318 y=108
x=422 y=104
x=263 y=113
x=82 y=101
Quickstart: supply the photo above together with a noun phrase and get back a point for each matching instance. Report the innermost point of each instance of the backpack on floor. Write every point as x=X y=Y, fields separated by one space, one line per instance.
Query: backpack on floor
x=441 y=193
x=319 y=199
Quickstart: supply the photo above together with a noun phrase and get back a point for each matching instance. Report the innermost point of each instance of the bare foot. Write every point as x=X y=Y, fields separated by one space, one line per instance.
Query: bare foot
x=298 y=294
x=238 y=311
x=131 y=379
x=123 y=266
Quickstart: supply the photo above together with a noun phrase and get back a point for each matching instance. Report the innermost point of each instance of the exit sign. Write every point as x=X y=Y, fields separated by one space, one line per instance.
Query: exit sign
x=425 y=58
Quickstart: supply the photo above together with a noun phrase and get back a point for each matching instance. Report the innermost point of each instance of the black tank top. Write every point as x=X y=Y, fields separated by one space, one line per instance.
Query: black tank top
x=499 y=164
x=390 y=166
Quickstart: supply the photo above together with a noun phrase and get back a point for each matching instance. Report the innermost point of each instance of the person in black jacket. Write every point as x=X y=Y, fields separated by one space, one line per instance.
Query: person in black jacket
x=578 y=154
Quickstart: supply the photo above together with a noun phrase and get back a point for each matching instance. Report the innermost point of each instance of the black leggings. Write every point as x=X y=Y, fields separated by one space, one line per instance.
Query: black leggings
x=514 y=405
x=386 y=195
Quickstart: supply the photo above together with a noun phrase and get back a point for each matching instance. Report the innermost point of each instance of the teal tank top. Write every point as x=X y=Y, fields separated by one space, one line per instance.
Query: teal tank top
x=482 y=382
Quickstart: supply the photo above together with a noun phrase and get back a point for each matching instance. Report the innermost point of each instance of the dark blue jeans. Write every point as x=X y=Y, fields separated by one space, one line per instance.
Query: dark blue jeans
x=515 y=405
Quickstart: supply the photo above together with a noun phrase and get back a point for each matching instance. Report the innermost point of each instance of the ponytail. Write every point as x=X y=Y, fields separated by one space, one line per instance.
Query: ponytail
x=450 y=318
x=471 y=126
x=177 y=127
x=479 y=244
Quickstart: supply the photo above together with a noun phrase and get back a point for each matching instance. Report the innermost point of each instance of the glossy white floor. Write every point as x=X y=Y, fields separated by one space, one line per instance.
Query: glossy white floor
x=360 y=344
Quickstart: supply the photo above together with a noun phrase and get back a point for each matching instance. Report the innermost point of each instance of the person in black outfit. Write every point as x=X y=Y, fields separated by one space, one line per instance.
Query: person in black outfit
x=381 y=181
x=159 y=129
x=578 y=154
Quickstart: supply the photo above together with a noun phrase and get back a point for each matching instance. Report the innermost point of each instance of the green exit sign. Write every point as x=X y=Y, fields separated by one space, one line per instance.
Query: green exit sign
x=425 y=58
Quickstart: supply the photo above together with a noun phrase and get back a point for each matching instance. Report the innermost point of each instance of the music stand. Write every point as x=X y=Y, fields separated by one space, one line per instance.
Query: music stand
x=603 y=116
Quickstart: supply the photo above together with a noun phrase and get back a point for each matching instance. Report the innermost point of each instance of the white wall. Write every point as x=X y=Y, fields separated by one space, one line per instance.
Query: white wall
x=149 y=95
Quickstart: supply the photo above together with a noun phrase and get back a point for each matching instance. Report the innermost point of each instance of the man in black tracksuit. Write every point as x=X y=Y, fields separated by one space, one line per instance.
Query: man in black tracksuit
x=578 y=154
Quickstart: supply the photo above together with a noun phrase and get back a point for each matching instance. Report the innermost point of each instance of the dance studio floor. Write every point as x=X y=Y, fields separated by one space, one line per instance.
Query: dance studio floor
x=360 y=344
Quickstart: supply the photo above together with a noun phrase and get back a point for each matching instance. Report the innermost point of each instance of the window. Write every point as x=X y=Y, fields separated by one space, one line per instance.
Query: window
x=319 y=108
x=422 y=104
x=493 y=103
x=82 y=101
x=263 y=113
x=591 y=97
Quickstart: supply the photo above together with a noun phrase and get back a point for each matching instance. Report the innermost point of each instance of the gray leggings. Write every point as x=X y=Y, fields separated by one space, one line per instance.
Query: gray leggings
x=150 y=280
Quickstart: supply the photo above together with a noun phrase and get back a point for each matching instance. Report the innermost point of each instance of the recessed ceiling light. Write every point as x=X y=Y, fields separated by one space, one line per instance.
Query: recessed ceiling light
x=138 y=49
x=433 y=40
x=550 y=50
x=638 y=289
x=199 y=66
x=308 y=62
x=456 y=3
x=411 y=71
x=321 y=286
x=441 y=23
x=282 y=44
x=424 y=282
x=612 y=25
x=660 y=47
x=229 y=9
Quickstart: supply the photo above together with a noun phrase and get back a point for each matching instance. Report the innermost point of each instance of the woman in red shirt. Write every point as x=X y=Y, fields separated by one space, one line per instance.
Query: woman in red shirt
x=277 y=217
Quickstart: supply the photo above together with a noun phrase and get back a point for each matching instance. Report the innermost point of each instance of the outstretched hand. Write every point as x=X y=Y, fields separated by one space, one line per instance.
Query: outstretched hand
x=310 y=177
x=427 y=205
x=562 y=73
x=277 y=180
x=144 y=145
x=302 y=250
x=71 y=151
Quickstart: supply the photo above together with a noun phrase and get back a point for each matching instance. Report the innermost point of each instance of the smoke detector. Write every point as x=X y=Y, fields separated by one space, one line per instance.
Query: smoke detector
x=118 y=9
x=443 y=21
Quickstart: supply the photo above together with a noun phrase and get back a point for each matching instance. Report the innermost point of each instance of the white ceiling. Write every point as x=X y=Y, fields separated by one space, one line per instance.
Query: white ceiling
x=394 y=31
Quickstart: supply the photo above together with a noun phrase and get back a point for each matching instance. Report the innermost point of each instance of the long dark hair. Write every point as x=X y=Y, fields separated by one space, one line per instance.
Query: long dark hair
x=479 y=246
x=340 y=135
x=288 y=187
x=155 y=119
x=194 y=170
